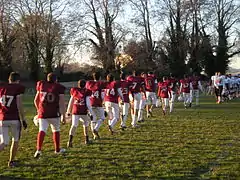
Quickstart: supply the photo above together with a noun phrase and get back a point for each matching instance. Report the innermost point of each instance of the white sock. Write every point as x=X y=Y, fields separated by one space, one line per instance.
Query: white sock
x=140 y=114
x=133 y=120
x=98 y=124
x=171 y=106
x=93 y=123
x=113 y=122
x=124 y=119
x=72 y=130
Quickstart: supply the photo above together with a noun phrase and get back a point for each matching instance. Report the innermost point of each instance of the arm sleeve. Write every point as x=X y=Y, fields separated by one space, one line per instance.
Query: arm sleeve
x=180 y=89
x=88 y=103
x=71 y=91
x=70 y=104
x=38 y=86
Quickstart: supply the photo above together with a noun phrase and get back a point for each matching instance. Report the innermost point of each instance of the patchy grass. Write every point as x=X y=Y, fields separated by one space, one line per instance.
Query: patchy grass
x=197 y=143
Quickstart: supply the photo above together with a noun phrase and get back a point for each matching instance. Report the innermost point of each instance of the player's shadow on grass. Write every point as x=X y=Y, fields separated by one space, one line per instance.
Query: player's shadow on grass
x=11 y=178
x=218 y=107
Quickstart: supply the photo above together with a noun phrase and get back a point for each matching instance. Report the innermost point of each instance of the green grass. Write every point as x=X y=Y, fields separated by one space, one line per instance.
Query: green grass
x=197 y=143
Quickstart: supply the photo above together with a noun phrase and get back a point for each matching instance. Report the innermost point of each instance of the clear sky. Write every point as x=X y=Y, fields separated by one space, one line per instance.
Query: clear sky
x=235 y=63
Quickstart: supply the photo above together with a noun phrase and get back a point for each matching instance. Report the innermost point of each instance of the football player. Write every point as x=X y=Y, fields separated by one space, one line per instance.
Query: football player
x=98 y=114
x=172 y=84
x=50 y=105
x=164 y=92
x=136 y=89
x=185 y=88
x=11 y=114
x=218 y=84
x=112 y=92
x=78 y=106
x=150 y=87
x=196 y=84
x=124 y=105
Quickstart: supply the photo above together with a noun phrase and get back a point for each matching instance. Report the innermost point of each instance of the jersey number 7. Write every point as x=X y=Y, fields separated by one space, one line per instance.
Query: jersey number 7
x=6 y=100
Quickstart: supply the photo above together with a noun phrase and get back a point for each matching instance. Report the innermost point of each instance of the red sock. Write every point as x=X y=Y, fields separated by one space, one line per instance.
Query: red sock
x=56 y=140
x=40 y=139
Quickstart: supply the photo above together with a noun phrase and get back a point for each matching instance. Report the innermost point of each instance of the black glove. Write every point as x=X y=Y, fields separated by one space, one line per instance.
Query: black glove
x=24 y=124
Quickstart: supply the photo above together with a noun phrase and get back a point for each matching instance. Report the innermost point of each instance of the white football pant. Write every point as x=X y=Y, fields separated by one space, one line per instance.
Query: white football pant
x=172 y=100
x=151 y=98
x=194 y=93
x=54 y=123
x=13 y=126
x=165 y=103
x=75 y=119
x=98 y=112
x=113 y=113
x=124 y=111
x=186 y=98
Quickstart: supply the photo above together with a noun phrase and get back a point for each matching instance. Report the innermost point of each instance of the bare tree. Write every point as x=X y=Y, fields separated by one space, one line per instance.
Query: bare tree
x=227 y=13
x=176 y=44
x=7 y=38
x=143 y=20
x=101 y=29
x=41 y=30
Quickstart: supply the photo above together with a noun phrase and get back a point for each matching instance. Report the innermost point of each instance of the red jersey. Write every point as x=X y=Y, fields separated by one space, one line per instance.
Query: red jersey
x=163 y=90
x=185 y=85
x=150 y=84
x=136 y=83
x=97 y=88
x=172 y=84
x=125 y=90
x=48 y=106
x=111 y=91
x=8 y=101
x=79 y=95
x=194 y=81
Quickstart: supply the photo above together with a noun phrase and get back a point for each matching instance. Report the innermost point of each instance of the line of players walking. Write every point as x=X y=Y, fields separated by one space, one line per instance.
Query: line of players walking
x=90 y=103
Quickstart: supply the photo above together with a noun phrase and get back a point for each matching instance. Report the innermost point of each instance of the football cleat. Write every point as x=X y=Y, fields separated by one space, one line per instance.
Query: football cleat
x=135 y=126
x=61 y=151
x=87 y=140
x=37 y=154
x=96 y=135
x=123 y=127
x=150 y=112
x=12 y=164
x=164 y=112
x=110 y=130
x=69 y=144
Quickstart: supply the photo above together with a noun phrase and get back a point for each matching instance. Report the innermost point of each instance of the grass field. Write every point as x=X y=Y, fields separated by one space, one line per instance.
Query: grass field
x=197 y=143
